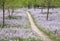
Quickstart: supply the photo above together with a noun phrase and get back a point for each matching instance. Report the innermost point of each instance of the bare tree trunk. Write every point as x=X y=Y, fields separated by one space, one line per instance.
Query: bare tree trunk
x=49 y=2
x=47 y=13
x=3 y=14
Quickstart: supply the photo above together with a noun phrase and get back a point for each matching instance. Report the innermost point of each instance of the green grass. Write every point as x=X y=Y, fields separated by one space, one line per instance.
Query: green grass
x=25 y=39
x=51 y=36
x=4 y=40
x=14 y=17
x=46 y=12
x=21 y=39
x=5 y=25
x=9 y=25
x=1 y=25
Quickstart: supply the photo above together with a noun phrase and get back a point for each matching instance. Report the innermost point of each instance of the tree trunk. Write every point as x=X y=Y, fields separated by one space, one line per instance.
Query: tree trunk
x=48 y=9
x=47 y=13
x=3 y=14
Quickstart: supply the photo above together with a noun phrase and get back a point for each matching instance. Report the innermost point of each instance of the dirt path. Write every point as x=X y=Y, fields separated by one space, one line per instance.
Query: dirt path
x=34 y=28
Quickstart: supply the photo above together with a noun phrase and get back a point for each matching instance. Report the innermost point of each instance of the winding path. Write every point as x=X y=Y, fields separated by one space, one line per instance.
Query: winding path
x=34 y=28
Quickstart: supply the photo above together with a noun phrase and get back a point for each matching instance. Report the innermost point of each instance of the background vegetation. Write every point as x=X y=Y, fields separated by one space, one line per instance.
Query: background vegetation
x=30 y=3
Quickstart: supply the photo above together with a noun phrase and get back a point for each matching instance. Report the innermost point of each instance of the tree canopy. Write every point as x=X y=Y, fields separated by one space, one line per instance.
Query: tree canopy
x=30 y=3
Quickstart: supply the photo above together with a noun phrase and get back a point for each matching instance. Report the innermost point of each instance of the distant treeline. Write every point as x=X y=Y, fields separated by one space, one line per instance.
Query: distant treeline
x=30 y=3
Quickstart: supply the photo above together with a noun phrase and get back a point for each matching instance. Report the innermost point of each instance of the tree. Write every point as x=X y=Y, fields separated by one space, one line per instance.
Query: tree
x=3 y=7
x=48 y=6
x=10 y=4
x=42 y=5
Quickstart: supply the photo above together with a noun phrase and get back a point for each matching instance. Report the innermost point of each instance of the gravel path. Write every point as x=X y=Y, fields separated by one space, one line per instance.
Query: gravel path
x=34 y=28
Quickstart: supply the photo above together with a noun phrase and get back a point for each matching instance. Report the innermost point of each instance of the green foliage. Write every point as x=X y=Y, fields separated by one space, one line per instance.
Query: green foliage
x=21 y=39
x=29 y=3
x=25 y=39
x=14 y=17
